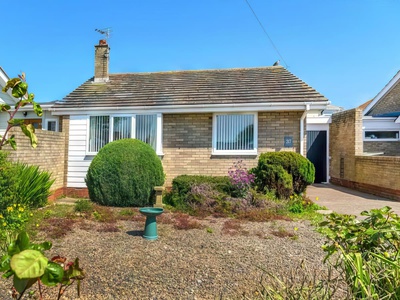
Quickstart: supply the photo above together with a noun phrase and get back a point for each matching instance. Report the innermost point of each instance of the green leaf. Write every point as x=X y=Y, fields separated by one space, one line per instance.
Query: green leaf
x=23 y=284
x=29 y=264
x=5 y=263
x=16 y=122
x=13 y=249
x=5 y=107
x=12 y=142
x=8 y=274
x=37 y=108
x=11 y=84
x=41 y=247
x=75 y=272
x=29 y=131
x=53 y=274
x=23 y=241
x=20 y=89
x=31 y=96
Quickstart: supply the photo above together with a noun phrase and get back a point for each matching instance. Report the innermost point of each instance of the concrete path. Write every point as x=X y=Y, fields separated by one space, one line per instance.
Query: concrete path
x=346 y=201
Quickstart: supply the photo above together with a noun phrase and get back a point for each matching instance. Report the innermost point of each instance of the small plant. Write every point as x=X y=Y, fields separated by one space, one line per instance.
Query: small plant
x=33 y=185
x=13 y=218
x=240 y=178
x=26 y=263
x=185 y=222
x=302 y=283
x=83 y=205
x=369 y=252
x=209 y=230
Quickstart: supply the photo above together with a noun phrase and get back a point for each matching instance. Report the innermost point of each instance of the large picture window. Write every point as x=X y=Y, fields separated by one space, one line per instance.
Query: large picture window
x=235 y=134
x=104 y=129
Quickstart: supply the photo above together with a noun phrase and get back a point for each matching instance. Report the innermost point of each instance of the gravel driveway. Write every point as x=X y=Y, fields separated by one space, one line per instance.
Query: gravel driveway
x=207 y=263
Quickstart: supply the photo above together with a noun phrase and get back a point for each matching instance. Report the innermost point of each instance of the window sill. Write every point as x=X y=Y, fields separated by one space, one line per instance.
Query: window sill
x=227 y=153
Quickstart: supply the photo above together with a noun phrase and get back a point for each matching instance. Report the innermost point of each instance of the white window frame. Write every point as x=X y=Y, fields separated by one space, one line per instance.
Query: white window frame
x=133 y=129
x=234 y=152
x=51 y=120
x=381 y=140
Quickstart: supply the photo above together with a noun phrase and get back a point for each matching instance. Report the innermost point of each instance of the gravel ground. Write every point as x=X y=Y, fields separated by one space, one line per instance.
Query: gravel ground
x=206 y=263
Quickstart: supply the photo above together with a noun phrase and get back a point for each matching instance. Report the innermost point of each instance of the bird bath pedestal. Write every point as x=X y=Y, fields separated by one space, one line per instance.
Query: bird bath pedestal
x=150 y=229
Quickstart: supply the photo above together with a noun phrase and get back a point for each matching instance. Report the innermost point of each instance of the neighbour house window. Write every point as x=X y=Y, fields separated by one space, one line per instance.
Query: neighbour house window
x=104 y=129
x=382 y=135
x=235 y=134
x=52 y=125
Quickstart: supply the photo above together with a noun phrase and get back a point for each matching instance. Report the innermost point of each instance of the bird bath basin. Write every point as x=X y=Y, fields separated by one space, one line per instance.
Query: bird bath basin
x=150 y=229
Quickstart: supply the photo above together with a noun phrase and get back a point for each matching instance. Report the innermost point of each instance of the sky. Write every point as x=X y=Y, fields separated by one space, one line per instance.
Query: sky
x=347 y=50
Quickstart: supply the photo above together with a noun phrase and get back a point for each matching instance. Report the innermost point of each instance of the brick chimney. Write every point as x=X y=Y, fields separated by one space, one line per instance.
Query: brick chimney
x=101 y=58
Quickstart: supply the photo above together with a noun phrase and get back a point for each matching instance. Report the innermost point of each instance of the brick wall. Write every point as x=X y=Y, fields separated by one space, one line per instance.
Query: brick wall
x=187 y=142
x=348 y=167
x=388 y=148
x=49 y=154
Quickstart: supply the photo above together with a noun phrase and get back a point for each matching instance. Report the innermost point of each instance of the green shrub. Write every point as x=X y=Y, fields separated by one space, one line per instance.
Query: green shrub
x=8 y=178
x=283 y=172
x=369 y=252
x=124 y=173
x=83 y=205
x=33 y=185
x=181 y=194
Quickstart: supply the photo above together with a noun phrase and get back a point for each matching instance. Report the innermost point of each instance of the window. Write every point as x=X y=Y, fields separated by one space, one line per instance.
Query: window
x=235 y=134
x=382 y=135
x=52 y=125
x=104 y=129
x=99 y=132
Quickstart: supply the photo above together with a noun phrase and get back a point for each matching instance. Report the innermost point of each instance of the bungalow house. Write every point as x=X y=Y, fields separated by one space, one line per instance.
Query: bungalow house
x=198 y=122
x=381 y=121
x=47 y=121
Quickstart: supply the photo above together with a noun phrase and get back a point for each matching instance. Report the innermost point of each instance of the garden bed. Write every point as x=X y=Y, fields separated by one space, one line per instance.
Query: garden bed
x=213 y=258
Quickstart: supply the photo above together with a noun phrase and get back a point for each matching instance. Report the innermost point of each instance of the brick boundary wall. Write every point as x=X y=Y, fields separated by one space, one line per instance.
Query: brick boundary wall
x=377 y=175
x=49 y=155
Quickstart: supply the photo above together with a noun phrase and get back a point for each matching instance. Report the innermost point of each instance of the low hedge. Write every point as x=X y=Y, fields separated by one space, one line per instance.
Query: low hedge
x=179 y=196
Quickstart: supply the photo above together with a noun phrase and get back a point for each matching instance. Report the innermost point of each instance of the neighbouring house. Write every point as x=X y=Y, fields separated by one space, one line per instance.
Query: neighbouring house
x=381 y=121
x=365 y=145
x=46 y=122
x=198 y=122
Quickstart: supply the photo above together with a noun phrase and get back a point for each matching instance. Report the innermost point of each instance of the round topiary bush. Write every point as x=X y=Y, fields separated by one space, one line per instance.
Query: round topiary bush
x=274 y=167
x=124 y=173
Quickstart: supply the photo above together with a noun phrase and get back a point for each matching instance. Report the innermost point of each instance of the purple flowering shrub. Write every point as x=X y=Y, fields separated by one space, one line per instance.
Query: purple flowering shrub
x=240 y=178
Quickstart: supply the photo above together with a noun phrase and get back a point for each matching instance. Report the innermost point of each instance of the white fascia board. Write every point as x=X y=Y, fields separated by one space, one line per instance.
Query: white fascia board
x=383 y=92
x=319 y=120
x=207 y=108
x=397 y=121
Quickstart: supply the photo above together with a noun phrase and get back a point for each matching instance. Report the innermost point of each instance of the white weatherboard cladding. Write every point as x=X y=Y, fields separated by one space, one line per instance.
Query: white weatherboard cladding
x=78 y=162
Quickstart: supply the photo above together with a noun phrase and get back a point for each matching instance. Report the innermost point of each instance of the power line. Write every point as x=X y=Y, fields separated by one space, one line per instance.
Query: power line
x=266 y=33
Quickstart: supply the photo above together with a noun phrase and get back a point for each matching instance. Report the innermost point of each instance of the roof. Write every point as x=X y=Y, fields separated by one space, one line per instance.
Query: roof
x=204 y=87
x=387 y=101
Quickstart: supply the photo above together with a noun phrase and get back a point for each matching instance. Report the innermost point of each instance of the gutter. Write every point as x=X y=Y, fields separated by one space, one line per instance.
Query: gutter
x=191 y=108
x=303 y=116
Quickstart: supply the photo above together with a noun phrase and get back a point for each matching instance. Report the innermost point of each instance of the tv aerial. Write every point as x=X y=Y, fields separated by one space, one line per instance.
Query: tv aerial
x=106 y=32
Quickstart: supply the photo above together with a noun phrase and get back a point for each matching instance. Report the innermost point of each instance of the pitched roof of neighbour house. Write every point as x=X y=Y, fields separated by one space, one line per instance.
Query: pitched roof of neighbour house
x=266 y=85
x=387 y=102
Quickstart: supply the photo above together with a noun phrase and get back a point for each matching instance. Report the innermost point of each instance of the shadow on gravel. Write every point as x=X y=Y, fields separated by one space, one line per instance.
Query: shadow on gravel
x=135 y=232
